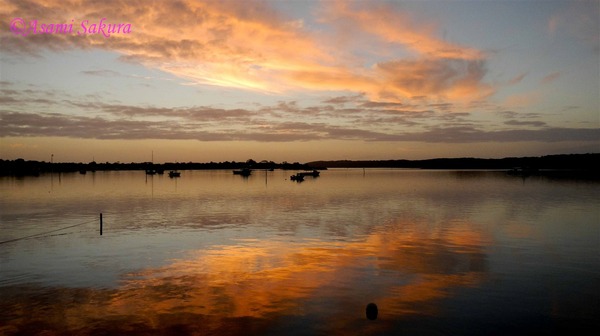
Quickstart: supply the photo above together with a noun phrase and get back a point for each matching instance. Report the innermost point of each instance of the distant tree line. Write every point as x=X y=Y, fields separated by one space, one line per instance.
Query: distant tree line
x=21 y=167
x=579 y=162
x=563 y=161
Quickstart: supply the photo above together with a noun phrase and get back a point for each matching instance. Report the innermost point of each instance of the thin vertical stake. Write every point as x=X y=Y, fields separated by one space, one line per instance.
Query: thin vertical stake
x=101 y=224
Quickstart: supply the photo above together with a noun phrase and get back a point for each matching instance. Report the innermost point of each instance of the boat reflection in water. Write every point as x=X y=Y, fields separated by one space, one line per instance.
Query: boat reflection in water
x=297 y=178
x=243 y=172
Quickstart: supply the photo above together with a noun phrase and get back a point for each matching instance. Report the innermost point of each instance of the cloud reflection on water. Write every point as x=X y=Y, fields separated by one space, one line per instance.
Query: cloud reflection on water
x=258 y=286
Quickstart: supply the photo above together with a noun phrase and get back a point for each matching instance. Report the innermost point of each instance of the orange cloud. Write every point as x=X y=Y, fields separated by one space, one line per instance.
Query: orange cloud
x=248 y=45
x=391 y=25
x=454 y=78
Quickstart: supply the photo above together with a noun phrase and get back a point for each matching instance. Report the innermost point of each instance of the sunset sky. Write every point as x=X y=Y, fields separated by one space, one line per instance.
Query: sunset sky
x=298 y=80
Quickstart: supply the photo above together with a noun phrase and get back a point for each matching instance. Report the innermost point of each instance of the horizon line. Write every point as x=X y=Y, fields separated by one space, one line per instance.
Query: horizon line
x=312 y=161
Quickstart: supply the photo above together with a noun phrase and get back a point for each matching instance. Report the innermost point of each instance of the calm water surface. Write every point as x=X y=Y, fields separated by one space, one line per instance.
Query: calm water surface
x=210 y=253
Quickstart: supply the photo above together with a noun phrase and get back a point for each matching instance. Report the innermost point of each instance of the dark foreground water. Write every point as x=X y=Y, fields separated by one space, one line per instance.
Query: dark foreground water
x=439 y=252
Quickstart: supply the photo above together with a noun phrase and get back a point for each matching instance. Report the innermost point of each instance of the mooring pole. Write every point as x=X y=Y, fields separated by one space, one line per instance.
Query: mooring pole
x=101 y=224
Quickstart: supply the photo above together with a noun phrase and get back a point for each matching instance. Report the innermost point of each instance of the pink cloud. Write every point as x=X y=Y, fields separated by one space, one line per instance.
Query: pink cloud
x=553 y=24
x=550 y=78
x=517 y=79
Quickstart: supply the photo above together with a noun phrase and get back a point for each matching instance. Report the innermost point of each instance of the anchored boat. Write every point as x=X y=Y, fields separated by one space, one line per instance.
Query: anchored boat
x=243 y=172
x=297 y=178
x=313 y=173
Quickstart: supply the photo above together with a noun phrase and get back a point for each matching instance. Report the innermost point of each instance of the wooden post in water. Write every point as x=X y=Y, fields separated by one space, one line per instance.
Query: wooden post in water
x=101 y=224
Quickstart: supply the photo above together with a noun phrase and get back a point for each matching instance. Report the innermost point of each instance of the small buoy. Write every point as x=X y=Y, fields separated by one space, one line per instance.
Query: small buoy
x=372 y=311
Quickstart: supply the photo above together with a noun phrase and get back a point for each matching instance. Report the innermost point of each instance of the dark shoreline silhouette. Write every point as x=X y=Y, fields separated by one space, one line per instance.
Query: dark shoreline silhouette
x=21 y=167
x=561 y=161
x=570 y=166
x=579 y=165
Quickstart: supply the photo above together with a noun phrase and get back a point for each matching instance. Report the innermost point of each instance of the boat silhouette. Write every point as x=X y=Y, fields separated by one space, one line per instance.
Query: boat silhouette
x=298 y=177
x=243 y=172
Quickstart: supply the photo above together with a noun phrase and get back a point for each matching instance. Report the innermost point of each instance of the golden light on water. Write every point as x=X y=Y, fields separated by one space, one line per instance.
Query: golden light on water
x=264 y=279
x=212 y=253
